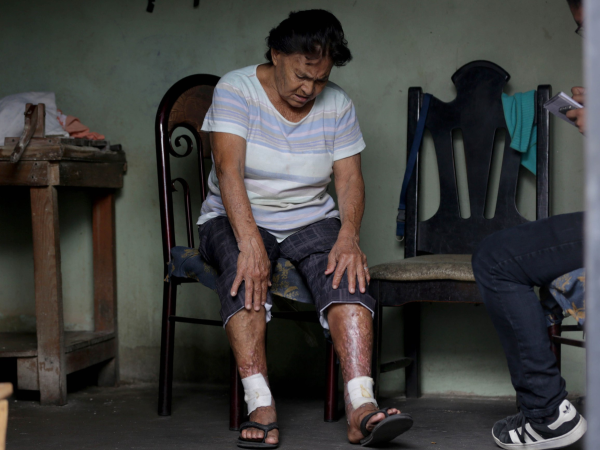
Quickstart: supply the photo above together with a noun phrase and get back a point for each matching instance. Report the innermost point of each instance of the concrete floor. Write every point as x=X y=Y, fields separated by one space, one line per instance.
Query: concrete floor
x=125 y=418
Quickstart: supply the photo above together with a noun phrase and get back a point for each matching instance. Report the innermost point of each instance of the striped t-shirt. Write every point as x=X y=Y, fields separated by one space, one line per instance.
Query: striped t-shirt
x=288 y=164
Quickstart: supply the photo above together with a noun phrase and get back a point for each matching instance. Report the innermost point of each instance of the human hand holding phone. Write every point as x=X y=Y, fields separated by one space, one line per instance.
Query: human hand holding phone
x=578 y=115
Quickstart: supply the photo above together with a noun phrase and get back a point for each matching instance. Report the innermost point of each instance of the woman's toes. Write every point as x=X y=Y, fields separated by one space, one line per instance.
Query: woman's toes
x=252 y=434
x=375 y=420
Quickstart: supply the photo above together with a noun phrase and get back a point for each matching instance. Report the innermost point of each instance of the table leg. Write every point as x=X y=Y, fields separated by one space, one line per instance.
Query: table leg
x=105 y=276
x=48 y=296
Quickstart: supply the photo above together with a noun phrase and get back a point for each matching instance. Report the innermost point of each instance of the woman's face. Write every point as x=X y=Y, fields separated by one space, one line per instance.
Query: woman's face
x=299 y=78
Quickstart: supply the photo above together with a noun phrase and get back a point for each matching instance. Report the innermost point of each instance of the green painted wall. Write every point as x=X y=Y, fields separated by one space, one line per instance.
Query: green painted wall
x=110 y=62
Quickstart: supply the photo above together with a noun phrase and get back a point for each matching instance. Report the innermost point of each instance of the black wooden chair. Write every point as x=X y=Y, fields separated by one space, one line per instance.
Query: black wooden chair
x=437 y=264
x=183 y=107
x=557 y=340
x=556 y=314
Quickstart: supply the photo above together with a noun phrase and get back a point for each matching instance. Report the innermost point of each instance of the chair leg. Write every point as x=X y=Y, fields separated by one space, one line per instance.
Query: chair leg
x=331 y=384
x=236 y=395
x=377 y=334
x=555 y=330
x=167 y=345
x=412 y=348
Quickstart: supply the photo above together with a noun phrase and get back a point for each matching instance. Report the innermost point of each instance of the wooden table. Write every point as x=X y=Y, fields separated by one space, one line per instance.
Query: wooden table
x=46 y=357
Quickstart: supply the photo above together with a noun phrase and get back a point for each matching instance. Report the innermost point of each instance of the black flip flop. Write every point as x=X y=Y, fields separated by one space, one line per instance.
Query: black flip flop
x=243 y=443
x=386 y=430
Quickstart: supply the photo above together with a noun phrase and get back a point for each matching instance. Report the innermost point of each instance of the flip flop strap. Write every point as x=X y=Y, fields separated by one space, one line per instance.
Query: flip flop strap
x=363 y=423
x=260 y=426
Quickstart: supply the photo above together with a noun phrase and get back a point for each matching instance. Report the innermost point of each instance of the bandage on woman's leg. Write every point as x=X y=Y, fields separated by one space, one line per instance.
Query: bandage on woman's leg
x=246 y=333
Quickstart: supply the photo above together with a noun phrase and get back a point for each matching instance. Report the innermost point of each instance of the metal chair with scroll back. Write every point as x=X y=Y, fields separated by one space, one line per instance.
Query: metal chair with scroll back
x=437 y=252
x=184 y=106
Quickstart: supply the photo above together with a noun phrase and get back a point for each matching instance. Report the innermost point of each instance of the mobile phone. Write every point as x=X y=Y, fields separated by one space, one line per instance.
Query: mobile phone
x=561 y=104
x=566 y=109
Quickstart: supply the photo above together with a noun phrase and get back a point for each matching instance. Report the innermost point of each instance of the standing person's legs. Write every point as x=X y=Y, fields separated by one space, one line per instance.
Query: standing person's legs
x=347 y=315
x=245 y=327
x=507 y=266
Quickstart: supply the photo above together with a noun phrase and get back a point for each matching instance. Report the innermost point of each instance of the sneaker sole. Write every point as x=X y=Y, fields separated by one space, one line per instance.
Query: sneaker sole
x=558 y=442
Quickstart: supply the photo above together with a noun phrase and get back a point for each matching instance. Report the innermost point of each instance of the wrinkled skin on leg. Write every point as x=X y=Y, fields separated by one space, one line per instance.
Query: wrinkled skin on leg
x=351 y=328
x=246 y=334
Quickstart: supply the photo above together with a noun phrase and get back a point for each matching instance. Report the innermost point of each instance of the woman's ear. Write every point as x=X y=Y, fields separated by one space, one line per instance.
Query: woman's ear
x=275 y=56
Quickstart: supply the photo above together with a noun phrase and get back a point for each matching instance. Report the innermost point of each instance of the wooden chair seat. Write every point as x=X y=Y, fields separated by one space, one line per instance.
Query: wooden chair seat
x=426 y=267
x=287 y=282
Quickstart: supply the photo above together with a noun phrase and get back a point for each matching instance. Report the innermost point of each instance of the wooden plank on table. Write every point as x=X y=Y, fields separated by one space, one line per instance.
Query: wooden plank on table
x=48 y=296
x=62 y=152
x=48 y=152
x=88 y=356
x=75 y=340
x=48 y=141
x=18 y=345
x=76 y=153
x=27 y=374
x=24 y=345
x=82 y=349
x=85 y=174
x=24 y=173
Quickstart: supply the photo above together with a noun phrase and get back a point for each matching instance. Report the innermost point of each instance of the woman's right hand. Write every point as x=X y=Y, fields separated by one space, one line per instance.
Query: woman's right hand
x=253 y=267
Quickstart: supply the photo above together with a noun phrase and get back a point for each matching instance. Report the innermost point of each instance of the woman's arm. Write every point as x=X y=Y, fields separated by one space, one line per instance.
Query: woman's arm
x=254 y=267
x=346 y=253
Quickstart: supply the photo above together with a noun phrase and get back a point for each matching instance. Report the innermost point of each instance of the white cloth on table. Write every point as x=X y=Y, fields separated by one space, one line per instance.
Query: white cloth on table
x=12 y=110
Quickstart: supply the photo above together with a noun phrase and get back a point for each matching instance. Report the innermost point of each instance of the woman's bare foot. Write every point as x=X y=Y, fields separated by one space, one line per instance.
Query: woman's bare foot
x=264 y=415
x=356 y=417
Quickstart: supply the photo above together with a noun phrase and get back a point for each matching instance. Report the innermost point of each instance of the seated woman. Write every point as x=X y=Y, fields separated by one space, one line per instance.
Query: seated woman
x=278 y=131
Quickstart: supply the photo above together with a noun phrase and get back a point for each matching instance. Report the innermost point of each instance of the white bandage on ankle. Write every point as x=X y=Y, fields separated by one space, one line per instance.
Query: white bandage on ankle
x=256 y=392
x=360 y=391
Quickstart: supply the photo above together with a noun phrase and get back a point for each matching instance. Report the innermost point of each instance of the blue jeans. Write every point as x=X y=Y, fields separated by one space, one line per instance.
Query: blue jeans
x=507 y=266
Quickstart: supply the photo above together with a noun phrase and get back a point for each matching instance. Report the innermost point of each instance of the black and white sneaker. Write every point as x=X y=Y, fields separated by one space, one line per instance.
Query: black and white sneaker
x=564 y=428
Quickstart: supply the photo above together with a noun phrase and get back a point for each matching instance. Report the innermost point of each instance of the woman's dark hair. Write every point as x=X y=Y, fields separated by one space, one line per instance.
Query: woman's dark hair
x=310 y=32
x=574 y=3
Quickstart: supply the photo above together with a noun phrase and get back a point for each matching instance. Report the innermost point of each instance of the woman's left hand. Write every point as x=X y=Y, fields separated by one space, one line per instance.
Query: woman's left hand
x=347 y=255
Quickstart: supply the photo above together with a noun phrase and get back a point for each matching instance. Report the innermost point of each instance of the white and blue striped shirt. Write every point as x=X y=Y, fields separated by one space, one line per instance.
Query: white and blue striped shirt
x=288 y=164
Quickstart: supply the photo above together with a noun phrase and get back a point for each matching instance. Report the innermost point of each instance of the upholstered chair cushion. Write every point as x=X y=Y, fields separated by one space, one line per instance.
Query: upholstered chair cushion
x=427 y=267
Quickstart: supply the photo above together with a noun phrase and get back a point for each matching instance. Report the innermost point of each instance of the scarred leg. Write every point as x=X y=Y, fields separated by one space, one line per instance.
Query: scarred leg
x=351 y=327
x=246 y=332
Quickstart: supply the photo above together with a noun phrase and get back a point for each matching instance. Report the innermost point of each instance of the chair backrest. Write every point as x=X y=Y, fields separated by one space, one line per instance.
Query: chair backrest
x=183 y=106
x=477 y=111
